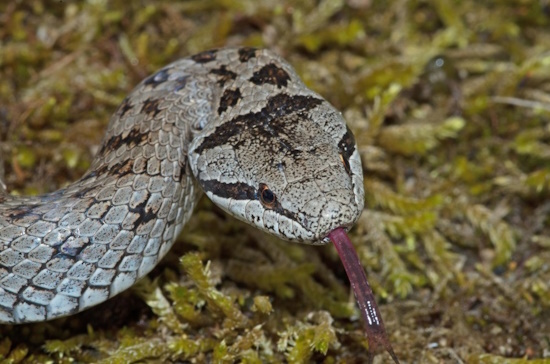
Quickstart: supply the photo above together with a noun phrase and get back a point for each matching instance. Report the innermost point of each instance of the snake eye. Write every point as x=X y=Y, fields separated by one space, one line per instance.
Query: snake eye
x=267 y=197
x=345 y=162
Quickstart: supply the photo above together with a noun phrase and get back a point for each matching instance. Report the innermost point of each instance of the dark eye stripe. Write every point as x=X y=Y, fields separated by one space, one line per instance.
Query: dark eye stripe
x=237 y=191
x=242 y=191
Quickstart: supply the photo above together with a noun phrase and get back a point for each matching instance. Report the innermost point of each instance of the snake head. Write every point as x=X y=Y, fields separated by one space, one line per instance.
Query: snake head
x=291 y=168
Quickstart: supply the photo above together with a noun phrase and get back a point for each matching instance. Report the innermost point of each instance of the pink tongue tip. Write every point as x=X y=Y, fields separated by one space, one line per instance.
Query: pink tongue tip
x=374 y=326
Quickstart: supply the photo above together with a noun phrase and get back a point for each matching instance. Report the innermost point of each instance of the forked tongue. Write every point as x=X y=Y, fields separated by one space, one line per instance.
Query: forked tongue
x=374 y=327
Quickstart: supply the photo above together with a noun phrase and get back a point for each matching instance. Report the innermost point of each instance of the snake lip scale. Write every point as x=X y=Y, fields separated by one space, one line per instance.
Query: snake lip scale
x=237 y=124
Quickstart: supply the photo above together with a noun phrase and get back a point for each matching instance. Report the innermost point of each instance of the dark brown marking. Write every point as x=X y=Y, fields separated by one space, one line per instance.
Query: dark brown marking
x=205 y=57
x=272 y=74
x=224 y=75
x=263 y=121
x=229 y=99
x=283 y=104
x=238 y=191
x=246 y=53
x=145 y=215
x=347 y=144
x=119 y=169
x=134 y=138
x=122 y=168
x=151 y=106
x=125 y=107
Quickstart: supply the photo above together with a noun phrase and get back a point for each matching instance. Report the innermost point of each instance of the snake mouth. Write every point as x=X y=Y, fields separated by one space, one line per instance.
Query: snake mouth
x=326 y=239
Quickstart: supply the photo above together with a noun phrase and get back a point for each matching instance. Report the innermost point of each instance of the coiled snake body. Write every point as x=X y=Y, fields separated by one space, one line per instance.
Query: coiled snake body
x=237 y=124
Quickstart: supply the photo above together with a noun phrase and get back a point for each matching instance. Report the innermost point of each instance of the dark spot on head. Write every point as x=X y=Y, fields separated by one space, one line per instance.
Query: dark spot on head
x=151 y=106
x=272 y=74
x=283 y=104
x=229 y=99
x=157 y=78
x=263 y=121
x=224 y=75
x=205 y=57
x=246 y=53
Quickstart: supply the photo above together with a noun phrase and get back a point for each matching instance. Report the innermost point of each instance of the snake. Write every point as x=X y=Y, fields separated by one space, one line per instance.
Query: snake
x=236 y=124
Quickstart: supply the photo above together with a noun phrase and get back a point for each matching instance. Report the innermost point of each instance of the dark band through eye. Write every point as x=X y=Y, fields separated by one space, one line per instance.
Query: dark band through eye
x=267 y=197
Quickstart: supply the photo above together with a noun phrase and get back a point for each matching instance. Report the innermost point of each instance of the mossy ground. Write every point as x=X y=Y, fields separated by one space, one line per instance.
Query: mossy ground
x=450 y=105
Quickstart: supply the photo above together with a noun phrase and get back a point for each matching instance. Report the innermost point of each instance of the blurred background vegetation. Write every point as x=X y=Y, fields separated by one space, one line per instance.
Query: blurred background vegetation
x=450 y=105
